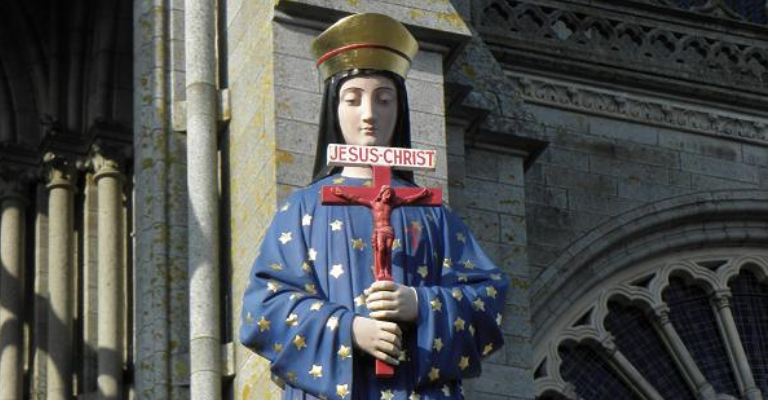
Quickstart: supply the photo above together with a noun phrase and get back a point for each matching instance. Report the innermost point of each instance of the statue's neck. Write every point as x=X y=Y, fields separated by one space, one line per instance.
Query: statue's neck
x=357 y=172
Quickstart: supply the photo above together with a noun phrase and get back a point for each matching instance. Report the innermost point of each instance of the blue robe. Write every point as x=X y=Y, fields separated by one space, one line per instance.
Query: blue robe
x=307 y=284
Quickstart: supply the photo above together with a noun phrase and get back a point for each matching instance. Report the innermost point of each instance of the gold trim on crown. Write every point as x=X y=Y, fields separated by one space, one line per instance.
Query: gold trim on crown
x=365 y=41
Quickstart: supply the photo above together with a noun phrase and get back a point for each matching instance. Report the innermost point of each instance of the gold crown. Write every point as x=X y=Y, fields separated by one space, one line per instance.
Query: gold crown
x=365 y=41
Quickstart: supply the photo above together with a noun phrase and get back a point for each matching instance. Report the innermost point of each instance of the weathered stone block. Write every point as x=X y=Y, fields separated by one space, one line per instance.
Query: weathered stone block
x=588 y=201
x=703 y=145
x=565 y=158
x=628 y=171
x=641 y=191
x=296 y=137
x=482 y=165
x=511 y=170
x=719 y=168
x=297 y=73
x=495 y=197
x=425 y=97
x=294 y=40
x=298 y=105
x=484 y=225
x=568 y=178
x=702 y=182
x=513 y=229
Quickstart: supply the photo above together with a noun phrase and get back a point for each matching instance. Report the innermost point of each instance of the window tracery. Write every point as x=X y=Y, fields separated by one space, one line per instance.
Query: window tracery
x=675 y=328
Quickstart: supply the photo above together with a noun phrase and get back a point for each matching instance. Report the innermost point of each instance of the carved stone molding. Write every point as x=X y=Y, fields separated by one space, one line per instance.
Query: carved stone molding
x=642 y=110
x=638 y=49
x=59 y=170
x=14 y=181
x=107 y=159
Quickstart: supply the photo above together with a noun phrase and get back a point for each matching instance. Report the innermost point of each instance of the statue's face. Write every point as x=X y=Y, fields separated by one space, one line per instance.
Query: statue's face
x=368 y=110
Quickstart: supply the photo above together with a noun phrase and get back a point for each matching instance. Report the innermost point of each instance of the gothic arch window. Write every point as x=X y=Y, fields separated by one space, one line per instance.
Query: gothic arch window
x=683 y=327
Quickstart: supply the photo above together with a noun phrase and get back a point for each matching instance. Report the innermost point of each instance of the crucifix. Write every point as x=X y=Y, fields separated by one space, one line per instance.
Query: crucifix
x=381 y=198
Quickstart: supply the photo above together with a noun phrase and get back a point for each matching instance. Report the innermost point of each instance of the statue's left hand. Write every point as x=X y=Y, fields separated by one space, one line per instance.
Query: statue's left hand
x=391 y=301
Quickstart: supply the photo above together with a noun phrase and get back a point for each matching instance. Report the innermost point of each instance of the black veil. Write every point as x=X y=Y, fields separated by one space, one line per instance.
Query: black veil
x=330 y=130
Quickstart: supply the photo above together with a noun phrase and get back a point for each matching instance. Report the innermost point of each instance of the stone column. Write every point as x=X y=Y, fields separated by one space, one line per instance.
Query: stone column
x=11 y=289
x=60 y=174
x=641 y=385
x=722 y=303
x=109 y=181
x=686 y=363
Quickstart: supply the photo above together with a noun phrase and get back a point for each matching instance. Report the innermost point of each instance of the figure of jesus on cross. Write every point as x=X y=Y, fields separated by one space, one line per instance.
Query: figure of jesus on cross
x=381 y=198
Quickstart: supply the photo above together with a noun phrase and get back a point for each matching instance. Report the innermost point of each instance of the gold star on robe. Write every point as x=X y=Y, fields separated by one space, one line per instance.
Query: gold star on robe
x=296 y=295
x=479 y=304
x=338 y=181
x=358 y=244
x=312 y=254
x=463 y=278
x=468 y=264
x=436 y=304
x=249 y=318
x=285 y=207
x=423 y=271
x=491 y=291
x=285 y=237
x=437 y=344
x=299 y=342
x=488 y=349
x=457 y=294
x=316 y=306
x=387 y=395
x=264 y=324
x=396 y=244
x=434 y=374
x=472 y=330
x=498 y=319
x=306 y=267
x=464 y=363
x=336 y=225
x=332 y=323
x=273 y=286
x=496 y=277
x=447 y=263
x=277 y=347
x=292 y=320
x=306 y=220
x=360 y=301
x=342 y=390
x=402 y=356
x=316 y=371
x=291 y=376
x=344 y=352
x=414 y=396
x=310 y=288
x=446 y=391
x=461 y=238
x=336 y=271
x=459 y=324
x=276 y=267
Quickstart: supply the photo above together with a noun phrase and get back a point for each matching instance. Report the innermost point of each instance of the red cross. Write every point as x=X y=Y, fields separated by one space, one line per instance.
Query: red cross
x=381 y=212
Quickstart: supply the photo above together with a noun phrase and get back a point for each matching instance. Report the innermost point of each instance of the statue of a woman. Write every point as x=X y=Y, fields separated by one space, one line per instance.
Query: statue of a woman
x=313 y=307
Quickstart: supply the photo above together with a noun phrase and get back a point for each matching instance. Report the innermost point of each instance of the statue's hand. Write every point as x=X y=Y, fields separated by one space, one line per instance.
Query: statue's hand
x=380 y=339
x=390 y=301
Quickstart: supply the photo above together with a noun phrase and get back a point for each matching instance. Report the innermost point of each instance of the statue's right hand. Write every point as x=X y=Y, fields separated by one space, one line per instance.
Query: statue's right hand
x=381 y=339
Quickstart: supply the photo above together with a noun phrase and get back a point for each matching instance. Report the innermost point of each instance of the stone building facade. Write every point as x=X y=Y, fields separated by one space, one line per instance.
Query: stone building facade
x=610 y=155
